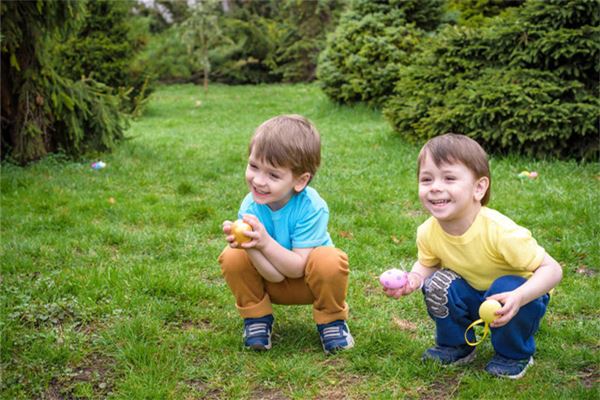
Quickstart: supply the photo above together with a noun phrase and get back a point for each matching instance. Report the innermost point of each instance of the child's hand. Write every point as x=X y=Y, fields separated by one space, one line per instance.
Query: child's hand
x=511 y=304
x=229 y=237
x=415 y=282
x=259 y=235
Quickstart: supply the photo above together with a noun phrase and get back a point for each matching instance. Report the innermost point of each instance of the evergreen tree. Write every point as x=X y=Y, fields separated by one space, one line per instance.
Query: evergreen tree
x=42 y=111
x=104 y=48
x=372 y=41
x=526 y=82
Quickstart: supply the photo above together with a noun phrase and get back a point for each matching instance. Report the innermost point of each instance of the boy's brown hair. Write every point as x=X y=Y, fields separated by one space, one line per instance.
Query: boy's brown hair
x=289 y=141
x=452 y=148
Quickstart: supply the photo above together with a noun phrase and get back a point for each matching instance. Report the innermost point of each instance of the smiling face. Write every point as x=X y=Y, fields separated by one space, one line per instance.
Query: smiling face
x=451 y=193
x=270 y=185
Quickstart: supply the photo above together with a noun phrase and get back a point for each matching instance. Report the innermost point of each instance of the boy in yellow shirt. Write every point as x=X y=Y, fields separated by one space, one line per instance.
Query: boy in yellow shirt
x=468 y=253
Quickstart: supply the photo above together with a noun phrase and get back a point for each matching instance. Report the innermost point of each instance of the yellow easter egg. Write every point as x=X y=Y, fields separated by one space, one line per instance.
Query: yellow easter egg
x=487 y=310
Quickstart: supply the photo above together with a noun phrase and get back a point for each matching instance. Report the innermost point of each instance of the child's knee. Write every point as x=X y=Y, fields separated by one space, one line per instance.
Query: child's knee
x=505 y=283
x=233 y=260
x=327 y=263
x=436 y=291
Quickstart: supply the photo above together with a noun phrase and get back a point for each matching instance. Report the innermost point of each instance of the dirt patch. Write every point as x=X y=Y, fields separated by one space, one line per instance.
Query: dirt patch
x=589 y=376
x=269 y=394
x=96 y=369
x=203 y=390
x=442 y=389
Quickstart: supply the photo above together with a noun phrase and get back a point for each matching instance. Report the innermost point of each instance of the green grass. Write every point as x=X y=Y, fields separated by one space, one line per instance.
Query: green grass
x=124 y=299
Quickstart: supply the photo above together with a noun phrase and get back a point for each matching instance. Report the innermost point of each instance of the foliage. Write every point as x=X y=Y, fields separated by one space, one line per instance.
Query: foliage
x=43 y=112
x=166 y=58
x=201 y=32
x=475 y=13
x=526 y=82
x=303 y=26
x=104 y=48
x=373 y=39
x=261 y=41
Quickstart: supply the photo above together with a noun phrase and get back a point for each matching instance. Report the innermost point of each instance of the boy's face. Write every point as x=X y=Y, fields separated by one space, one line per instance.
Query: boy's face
x=272 y=185
x=451 y=194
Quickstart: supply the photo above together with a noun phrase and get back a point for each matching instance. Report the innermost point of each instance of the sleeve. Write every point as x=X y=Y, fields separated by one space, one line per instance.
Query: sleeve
x=519 y=249
x=247 y=207
x=311 y=231
x=424 y=253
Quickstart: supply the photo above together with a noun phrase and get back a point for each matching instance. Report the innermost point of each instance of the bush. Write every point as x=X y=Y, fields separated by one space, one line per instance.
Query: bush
x=526 y=83
x=43 y=112
x=373 y=40
x=104 y=48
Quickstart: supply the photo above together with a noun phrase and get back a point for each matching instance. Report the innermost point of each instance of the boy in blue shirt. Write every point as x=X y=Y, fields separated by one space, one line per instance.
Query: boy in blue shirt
x=290 y=258
x=468 y=253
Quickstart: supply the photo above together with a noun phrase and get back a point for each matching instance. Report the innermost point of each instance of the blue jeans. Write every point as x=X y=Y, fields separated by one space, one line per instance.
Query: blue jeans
x=453 y=305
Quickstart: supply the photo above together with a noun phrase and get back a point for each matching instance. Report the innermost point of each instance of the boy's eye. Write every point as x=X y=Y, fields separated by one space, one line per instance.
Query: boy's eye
x=425 y=179
x=450 y=178
x=274 y=176
x=252 y=165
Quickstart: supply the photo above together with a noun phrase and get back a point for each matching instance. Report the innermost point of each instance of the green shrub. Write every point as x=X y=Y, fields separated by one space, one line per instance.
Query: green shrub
x=104 y=48
x=42 y=111
x=526 y=82
x=372 y=41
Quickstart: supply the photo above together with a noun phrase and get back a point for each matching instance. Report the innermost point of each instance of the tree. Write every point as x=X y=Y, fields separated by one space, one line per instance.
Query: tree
x=371 y=42
x=43 y=112
x=525 y=82
x=202 y=32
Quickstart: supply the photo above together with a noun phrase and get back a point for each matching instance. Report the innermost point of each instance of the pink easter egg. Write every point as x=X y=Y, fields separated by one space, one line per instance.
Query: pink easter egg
x=393 y=278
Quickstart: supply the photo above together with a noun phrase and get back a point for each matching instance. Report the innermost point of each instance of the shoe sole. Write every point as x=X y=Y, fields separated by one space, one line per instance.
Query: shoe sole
x=464 y=360
x=258 y=347
x=519 y=375
x=346 y=347
x=461 y=361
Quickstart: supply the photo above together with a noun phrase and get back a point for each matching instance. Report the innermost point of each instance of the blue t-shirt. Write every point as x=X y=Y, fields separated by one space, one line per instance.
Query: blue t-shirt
x=301 y=223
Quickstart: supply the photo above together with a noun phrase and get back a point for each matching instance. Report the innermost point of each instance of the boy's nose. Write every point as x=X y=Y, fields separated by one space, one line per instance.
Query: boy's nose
x=436 y=185
x=259 y=179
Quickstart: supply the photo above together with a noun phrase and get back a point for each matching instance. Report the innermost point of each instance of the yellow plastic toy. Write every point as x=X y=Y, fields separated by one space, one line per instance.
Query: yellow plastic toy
x=487 y=312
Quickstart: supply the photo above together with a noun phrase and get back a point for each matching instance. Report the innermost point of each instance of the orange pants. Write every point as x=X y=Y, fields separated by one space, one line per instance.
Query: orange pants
x=324 y=285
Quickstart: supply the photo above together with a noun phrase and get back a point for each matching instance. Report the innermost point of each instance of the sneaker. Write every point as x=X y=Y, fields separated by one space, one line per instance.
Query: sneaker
x=257 y=332
x=447 y=355
x=507 y=367
x=335 y=336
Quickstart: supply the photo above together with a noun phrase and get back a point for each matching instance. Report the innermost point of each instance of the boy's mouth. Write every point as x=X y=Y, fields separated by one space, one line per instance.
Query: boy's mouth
x=439 y=202
x=260 y=192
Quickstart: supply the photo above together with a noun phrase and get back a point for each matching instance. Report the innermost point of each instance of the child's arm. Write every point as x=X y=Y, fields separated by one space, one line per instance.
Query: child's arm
x=545 y=277
x=262 y=265
x=273 y=261
x=416 y=279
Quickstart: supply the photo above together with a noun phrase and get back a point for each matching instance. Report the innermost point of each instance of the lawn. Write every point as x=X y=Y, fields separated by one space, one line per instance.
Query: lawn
x=111 y=287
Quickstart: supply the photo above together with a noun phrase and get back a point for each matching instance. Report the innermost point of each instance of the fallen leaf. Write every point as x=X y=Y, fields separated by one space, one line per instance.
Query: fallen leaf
x=584 y=270
x=396 y=240
x=347 y=235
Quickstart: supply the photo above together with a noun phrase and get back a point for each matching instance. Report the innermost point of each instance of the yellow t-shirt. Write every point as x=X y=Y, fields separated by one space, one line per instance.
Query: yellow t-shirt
x=492 y=247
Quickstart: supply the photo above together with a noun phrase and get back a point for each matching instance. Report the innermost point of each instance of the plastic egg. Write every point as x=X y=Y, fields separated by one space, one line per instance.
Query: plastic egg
x=487 y=310
x=393 y=278
x=237 y=230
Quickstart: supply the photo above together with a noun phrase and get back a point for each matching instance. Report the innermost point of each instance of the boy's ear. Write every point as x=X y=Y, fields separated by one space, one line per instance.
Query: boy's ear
x=301 y=182
x=481 y=186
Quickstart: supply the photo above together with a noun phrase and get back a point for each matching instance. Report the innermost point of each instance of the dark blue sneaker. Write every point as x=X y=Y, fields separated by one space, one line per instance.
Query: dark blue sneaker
x=335 y=336
x=257 y=332
x=447 y=355
x=507 y=367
